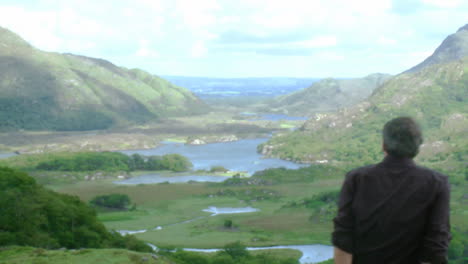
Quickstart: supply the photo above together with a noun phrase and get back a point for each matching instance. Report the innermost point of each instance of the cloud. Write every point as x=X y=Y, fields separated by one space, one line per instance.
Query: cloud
x=406 y=7
x=39 y=28
x=238 y=37
x=317 y=42
x=145 y=51
x=274 y=45
x=443 y=3
x=58 y=30
x=330 y=56
x=383 y=40
x=254 y=37
x=198 y=49
x=197 y=14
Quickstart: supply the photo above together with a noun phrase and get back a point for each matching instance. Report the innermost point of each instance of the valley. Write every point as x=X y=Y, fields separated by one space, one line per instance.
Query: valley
x=261 y=168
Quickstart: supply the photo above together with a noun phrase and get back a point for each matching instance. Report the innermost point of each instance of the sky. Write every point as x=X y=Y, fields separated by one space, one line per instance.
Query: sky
x=241 y=38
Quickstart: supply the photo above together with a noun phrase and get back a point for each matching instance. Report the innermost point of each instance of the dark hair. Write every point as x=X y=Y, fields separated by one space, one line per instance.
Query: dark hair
x=402 y=137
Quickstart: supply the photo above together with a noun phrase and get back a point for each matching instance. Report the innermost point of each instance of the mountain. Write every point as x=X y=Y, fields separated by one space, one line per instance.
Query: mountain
x=327 y=95
x=436 y=96
x=454 y=47
x=208 y=87
x=52 y=91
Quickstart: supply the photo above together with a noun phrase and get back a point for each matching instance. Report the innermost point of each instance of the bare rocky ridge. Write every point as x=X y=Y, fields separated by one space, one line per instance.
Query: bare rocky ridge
x=454 y=47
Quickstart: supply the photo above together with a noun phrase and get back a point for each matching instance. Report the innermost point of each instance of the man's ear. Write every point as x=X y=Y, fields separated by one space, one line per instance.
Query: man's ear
x=384 y=148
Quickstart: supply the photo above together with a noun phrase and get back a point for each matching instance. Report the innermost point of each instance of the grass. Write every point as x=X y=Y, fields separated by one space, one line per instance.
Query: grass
x=28 y=255
x=176 y=140
x=166 y=204
x=287 y=125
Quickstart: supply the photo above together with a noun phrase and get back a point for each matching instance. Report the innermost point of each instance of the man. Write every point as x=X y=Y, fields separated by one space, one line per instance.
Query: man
x=394 y=211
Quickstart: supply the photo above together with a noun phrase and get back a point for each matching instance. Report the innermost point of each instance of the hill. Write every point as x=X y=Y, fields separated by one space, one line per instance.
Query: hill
x=208 y=87
x=327 y=95
x=454 y=47
x=435 y=96
x=51 y=91
x=35 y=216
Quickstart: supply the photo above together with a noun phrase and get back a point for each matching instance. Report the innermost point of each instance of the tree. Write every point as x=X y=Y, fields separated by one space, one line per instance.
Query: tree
x=228 y=223
x=176 y=162
x=138 y=162
x=114 y=201
x=31 y=215
x=236 y=250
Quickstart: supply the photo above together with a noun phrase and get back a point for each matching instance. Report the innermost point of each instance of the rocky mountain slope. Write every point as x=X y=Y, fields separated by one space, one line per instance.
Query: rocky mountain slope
x=436 y=96
x=454 y=47
x=327 y=95
x=51 y=91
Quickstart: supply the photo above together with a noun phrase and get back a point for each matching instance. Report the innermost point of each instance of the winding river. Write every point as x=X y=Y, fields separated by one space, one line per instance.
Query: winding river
x=310 y=253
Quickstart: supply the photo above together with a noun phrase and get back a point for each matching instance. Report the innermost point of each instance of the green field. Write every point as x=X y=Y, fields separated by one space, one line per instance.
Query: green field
x=167 y=204
x=28 y=255
x=174 y=217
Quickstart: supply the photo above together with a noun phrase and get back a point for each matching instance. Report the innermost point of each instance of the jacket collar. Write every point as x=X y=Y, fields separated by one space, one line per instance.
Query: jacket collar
x=393 y=161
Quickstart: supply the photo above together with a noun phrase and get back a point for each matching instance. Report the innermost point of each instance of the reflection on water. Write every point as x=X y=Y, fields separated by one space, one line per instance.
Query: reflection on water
x=310 y=253
x=229 y=210
x=212 y=209
x=238 y=155
x=7 y=155
x=130 y=232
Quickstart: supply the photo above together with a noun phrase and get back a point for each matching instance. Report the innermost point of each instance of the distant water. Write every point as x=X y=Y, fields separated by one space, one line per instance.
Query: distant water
x=231 y=87
x=310 y=253
x=278 y=117
x=238 y=155
x=155 y=178
x=229 y=210
x=7 y=155
x=212 y=209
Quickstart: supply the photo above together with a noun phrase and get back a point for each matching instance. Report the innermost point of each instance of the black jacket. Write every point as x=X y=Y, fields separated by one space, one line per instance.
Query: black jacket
x=394 y=212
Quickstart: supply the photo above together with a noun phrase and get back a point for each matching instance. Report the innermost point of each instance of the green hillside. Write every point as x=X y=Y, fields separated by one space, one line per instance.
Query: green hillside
x=45 y=90
x=327 y=94
x=436 y=96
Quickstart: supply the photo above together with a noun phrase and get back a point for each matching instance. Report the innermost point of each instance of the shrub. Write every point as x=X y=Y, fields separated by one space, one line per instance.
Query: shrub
x=114 y=201
x=228 y=223
x=111 y=161
x=218 y=169
x=236 y=250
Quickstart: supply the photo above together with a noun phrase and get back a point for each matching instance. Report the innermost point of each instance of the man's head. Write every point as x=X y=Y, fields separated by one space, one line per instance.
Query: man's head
x=402 y=137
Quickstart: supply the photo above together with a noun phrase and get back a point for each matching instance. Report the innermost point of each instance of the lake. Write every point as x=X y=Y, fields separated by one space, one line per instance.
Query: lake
x=156 y=178
x=278 y=117
x=7 y=155
x=238 y=155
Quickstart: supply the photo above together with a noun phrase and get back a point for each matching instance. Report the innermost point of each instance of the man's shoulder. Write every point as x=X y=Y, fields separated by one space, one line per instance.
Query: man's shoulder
x=432 y=174
x=361 y=171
